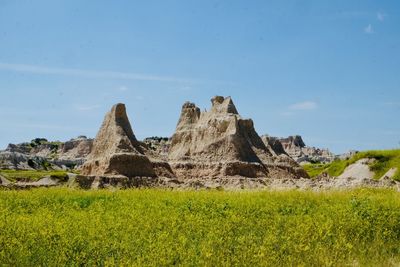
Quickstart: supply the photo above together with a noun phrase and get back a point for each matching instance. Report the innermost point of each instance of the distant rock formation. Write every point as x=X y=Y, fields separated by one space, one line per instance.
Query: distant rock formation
x=295 y=147
x=274 y=145
x=41 y=154
x=220 y=143
x=19 y=161
x=293 y=141
x=116 y=151
x=78 y=148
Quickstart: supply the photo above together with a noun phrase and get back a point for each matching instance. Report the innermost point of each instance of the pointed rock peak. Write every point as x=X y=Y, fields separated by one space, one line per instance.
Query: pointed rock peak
x=189 y=105
x=190 y=114
x=217 y=100
x=221 y=104
x=119 y=116
x=116 y=150
x=116 y=134
x=292 y=142
x=296 y=140
x=119 y=109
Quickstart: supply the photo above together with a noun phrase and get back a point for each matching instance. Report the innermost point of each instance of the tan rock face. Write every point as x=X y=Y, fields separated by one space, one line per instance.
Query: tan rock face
x=116 y=151
x=220 y=143
x=216 y=135
x=78 y=148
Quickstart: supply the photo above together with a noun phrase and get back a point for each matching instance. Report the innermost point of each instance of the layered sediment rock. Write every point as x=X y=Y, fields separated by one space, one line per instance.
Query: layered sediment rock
x=19 y=161
x=41 y=154
x=78 y=148
x=219 y=143
x=74 y=152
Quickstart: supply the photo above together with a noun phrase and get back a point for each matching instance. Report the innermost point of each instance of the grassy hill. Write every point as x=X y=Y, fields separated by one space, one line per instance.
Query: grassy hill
x=385 y=160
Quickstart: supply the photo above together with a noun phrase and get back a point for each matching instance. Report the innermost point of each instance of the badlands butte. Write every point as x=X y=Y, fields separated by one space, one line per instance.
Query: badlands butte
x=212 y=149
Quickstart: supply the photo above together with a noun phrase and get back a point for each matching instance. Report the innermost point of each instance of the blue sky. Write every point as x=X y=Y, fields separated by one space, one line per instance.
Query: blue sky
x=327 y=70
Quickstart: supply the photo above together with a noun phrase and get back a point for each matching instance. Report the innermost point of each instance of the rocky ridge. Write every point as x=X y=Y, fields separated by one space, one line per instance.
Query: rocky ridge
x=40 y=154
x=210 y=149
x=295 y=147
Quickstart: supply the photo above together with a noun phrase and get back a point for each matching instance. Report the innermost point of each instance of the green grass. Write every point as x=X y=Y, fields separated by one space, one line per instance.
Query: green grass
x=61 y=227
x=31 y=176
x=333 y=169
x=385 y=160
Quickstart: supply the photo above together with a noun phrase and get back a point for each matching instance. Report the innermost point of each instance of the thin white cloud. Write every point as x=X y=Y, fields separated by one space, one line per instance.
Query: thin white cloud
x=306 y=105
x=381 y=16
x=369 y=29
x=34 y=69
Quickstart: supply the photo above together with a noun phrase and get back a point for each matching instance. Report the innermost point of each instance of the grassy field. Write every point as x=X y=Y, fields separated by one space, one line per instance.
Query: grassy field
x=31 y=176
x=57 y=227
x=385 y=160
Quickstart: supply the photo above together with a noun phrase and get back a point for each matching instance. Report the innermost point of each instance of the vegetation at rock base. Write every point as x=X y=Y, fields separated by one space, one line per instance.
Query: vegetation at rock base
x=57 y=227
x=384 y=161
x=31 y=175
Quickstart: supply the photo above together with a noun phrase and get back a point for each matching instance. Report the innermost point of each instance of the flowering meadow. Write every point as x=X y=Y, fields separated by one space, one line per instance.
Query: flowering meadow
x=149 y=227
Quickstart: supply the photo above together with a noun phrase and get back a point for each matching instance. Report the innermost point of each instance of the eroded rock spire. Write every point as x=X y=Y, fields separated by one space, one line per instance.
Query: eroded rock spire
x=220 y=143
x=116 y=151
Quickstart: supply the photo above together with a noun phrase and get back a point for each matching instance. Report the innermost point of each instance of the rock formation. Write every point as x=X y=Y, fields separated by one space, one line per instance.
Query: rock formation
x=295 y=147
x=220 y=143
x=42 y=154
x=74 y=152
x=116 y=151
x=293 y=141
x=210 y=150
x=274 y=145
x=78 y=148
